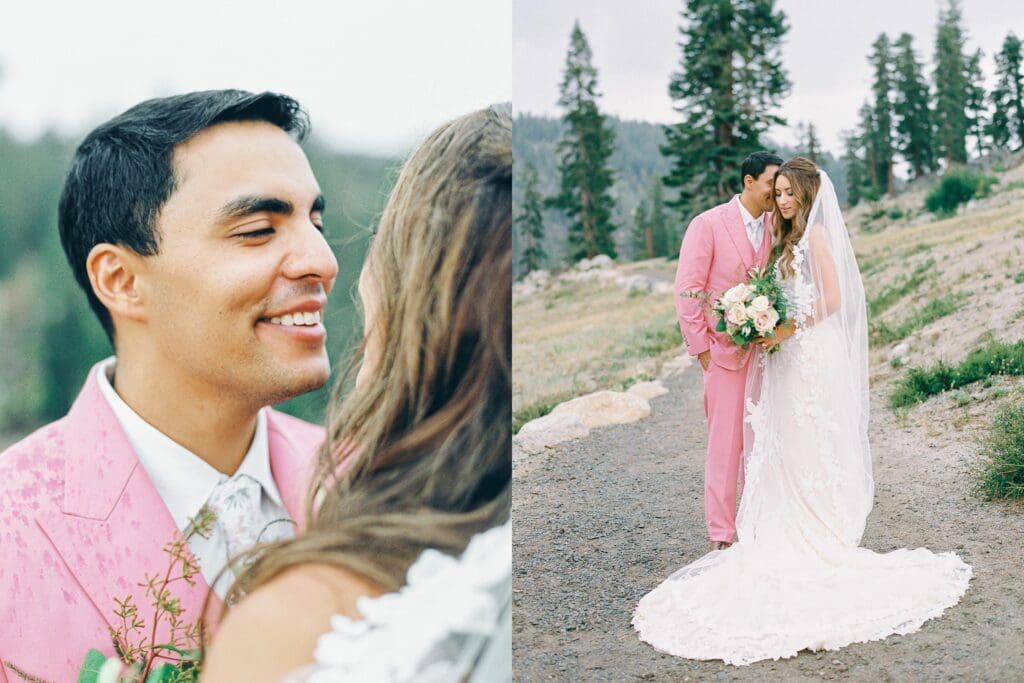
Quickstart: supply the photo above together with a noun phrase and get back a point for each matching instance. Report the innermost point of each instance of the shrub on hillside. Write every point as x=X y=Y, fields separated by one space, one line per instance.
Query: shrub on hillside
x=1002 y=474
x=997 y=358
x=957 y=187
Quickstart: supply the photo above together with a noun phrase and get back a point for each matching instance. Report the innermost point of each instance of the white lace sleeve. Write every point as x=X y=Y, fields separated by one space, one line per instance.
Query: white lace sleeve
x=448 y=616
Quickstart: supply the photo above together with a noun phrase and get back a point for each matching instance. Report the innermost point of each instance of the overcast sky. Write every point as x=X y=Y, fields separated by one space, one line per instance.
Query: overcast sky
x=825 y=52
x=375 y=76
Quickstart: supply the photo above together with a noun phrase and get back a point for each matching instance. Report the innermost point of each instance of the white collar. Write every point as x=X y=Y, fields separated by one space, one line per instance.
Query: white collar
x=745 y=215
x=183 y=479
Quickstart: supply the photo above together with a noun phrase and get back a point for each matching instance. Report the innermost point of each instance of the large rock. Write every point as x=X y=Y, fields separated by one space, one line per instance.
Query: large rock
x=550 y=430
x=648 y=390
x=605 y=408
x=899 y=353
x=599 y=261
x=920 y=219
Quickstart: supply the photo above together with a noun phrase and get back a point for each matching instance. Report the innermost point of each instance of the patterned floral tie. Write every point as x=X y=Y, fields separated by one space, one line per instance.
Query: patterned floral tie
x=236 y=502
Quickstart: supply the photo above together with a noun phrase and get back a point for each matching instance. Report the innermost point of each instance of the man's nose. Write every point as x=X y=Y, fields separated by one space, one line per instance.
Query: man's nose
x=311 y=258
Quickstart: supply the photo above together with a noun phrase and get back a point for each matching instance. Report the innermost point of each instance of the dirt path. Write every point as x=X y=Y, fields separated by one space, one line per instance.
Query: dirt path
x=602 y=520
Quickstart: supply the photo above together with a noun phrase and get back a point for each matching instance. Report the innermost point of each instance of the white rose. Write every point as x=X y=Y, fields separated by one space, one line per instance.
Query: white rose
x=760 y=304
x=110 y=672
x=737 y=314
x=762 y=323
x=730 y=298
x=765 y=321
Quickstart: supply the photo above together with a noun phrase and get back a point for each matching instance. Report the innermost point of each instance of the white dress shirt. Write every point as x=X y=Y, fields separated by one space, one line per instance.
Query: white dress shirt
x=754 y=226
x=185 y=481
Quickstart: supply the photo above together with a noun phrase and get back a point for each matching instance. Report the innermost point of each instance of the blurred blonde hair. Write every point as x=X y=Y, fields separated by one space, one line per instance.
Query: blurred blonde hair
x=426 y=440
x=803 y=177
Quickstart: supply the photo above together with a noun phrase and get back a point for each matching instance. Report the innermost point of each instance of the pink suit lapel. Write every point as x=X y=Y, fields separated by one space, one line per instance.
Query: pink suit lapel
x=737 y=232
x=766 y=243
x=292 y=459
x=113 y=524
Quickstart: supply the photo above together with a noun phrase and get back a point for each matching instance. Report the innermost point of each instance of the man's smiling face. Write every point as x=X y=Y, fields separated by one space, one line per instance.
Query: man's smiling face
x=236 y=291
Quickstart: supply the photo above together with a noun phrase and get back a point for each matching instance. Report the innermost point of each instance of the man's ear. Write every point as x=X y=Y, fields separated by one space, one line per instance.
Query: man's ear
x=114 y=272
x=747 y=184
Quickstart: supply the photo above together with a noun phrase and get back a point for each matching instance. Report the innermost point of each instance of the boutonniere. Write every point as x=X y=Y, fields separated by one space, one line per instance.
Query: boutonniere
x=140 y=658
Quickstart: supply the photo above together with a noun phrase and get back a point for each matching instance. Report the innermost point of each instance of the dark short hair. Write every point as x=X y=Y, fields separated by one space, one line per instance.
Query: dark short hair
x=755 y=164
x=122 y=173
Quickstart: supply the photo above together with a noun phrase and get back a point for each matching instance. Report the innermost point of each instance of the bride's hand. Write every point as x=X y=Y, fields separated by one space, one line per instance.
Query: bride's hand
x=783 y=331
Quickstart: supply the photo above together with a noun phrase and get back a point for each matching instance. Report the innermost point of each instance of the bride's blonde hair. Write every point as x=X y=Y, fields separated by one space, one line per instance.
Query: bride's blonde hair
x=427 y=438
x=803 y=178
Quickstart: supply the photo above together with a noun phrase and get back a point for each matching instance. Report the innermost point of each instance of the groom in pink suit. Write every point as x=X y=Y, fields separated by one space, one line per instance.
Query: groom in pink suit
x=719 y=247
x=194 y=225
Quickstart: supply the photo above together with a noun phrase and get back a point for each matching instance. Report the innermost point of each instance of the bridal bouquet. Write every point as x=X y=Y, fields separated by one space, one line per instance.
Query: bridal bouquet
x=749 y=310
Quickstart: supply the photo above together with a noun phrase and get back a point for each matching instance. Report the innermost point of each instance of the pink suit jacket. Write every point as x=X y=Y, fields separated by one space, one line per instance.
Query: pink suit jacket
x=715 y=256
x=81 y=523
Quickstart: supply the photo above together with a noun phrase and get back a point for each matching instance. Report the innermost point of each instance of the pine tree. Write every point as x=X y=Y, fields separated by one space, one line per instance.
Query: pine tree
x=977 y=108
x=642 y=234
x=729 y=81
x=807 y=140
x=857 y=181
x=531 y=222
x=1007 y=125
x=950 y=79
x=583 y=156
x=882 y=144
x=914 y=135
x=664 y=244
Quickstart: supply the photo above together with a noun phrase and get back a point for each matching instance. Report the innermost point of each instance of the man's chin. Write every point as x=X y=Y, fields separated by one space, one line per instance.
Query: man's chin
x=293 y=382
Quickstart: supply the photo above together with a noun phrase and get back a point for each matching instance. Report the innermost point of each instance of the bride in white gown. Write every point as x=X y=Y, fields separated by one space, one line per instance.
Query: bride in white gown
x=796 y=578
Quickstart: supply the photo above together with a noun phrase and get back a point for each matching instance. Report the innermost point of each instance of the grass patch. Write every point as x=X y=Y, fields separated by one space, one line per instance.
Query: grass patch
x=997 y=358
x=1019 y=277
x=1002 y=471
x=932 y=311
x=655 y=341
x=869 y=264
x=919 y=249
x=893 y=293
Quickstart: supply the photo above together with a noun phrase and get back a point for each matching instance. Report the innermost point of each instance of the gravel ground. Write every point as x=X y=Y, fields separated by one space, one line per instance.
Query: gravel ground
x=602 y=520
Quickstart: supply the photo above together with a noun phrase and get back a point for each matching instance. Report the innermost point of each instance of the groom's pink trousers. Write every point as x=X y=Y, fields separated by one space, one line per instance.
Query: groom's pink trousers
x=716 y=255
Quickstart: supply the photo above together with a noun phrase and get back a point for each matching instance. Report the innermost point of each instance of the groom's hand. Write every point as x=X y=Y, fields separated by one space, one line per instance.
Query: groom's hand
x=705 y=359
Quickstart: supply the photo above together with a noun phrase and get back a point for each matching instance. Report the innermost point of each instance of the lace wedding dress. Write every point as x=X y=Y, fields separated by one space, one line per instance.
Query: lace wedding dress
x=450 y=623
x=796 y=578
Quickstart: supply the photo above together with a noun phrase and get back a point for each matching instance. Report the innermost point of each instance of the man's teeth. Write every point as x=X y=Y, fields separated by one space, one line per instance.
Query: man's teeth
x=297 y=319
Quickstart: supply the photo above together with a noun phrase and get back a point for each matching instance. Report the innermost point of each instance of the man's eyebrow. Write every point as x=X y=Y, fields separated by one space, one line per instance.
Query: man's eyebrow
x=253 y=204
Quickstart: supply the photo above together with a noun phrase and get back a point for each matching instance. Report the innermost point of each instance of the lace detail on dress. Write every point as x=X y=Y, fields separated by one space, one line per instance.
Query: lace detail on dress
x=799 y=289
x=433 y=629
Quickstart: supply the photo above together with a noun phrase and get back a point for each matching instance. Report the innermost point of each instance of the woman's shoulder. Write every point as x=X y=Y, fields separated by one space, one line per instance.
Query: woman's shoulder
x=274 y=630
x=450 y=611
